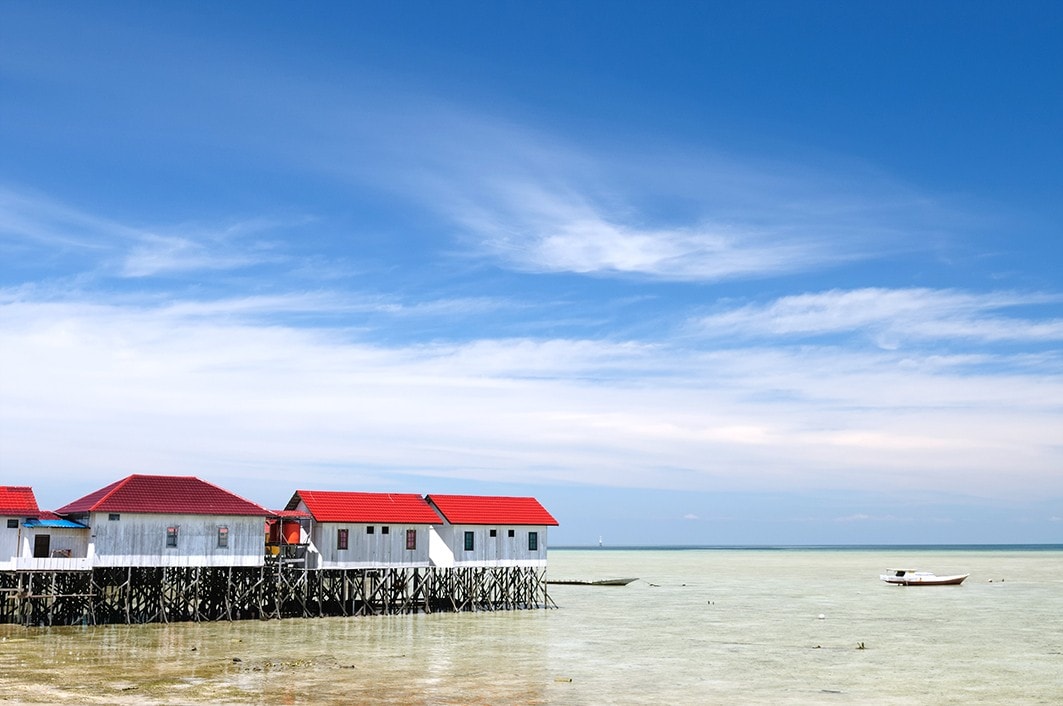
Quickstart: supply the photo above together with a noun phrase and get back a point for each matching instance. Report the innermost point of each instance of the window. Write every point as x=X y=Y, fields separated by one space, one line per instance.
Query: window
x=113 y=516
x=494 y=533
x=341 y=539
x=370 y=529
x=533 y=541
x=470 y=543
x=223 y=537
x=12 y=524
x=171 y=536
x=512 y=533
x=411 y=539
x=385 y=529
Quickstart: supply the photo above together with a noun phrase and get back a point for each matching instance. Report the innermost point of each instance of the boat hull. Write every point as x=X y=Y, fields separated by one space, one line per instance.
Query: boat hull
x=926 y=580
x=600 y=582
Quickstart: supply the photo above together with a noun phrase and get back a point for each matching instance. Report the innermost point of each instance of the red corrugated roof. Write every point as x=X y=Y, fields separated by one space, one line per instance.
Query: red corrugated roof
x=171 y=495
x=338 y=506
x=18 y=500
x=491 y=510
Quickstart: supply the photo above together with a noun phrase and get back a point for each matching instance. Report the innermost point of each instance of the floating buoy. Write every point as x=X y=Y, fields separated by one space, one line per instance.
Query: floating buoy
x=822 y=617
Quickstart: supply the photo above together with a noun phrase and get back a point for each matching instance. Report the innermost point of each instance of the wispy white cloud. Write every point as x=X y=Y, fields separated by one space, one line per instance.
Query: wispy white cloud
x=537 y=202
x=32 y=224
x=560 y=232
x=890 y=316
x=534 y=202
x=34 y=220
x=158 y=254
x=193 y=388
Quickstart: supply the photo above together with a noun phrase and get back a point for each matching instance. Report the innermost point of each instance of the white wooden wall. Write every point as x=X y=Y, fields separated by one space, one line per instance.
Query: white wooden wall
x=500 y=550
x=8 y=542
x=364 y=550
x=72 y=541
x=139 y=539
x=16 y=548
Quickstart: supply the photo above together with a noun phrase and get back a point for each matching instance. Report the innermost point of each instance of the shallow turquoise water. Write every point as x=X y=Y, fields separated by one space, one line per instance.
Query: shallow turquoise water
x=744 y=626
x=699 y=626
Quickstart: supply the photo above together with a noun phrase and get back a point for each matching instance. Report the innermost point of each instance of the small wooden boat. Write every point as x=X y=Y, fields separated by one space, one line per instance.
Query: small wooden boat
x=599 y=582
x=907 y=577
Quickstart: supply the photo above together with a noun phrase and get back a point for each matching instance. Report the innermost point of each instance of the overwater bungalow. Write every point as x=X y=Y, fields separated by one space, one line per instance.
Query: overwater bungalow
x=33 y=539
x=483 y=530
x=366 y=530
x=160 y=521
x=152 y=548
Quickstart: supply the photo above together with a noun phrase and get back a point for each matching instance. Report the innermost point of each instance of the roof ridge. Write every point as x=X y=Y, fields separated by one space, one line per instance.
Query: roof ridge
x=225 y=490
x=114 y=488
x=478 y=495
x=156 y=475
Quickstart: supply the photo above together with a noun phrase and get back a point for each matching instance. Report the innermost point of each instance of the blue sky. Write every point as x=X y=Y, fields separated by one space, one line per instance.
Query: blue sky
x=694 y=273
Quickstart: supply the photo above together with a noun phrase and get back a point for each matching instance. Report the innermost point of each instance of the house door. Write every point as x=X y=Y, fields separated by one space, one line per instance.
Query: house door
x=42 y=545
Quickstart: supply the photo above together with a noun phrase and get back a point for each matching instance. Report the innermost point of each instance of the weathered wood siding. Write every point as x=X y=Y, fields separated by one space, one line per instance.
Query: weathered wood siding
x=63 y=542
x=8 y=542
x=364 y=550
x=140 y=539
x=499 y=550
x=67 y=547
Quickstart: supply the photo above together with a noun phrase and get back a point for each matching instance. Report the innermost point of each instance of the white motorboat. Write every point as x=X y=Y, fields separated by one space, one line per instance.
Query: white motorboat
x=599 y=582
x=908 y=577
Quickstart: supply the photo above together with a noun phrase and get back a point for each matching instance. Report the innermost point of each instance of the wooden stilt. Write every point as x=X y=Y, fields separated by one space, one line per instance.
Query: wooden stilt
x=172 y=594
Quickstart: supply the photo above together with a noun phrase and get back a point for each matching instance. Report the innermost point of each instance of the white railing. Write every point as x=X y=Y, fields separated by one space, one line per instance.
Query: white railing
x=52 y=564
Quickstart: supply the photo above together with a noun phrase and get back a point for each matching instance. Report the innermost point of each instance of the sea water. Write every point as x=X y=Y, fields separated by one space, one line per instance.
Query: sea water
x=699 y=626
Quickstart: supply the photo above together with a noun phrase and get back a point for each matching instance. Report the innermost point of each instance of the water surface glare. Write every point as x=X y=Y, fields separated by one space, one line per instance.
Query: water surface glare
x=699 y=626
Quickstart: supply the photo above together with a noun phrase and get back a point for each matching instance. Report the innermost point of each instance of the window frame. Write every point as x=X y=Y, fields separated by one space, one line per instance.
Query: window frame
x=533 y=541
x=223 y=537
x=173 y=533
x=470 y=541
x=343 y=539
x=411 y=540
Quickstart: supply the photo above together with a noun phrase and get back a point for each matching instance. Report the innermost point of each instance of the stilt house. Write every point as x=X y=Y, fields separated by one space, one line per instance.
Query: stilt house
x=17 y=504
x=35 y=539
x=481 y=530
x=147 y=520
x=366 y=530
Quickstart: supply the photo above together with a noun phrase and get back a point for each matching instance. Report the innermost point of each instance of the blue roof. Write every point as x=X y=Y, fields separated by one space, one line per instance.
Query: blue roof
x=70 y=524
